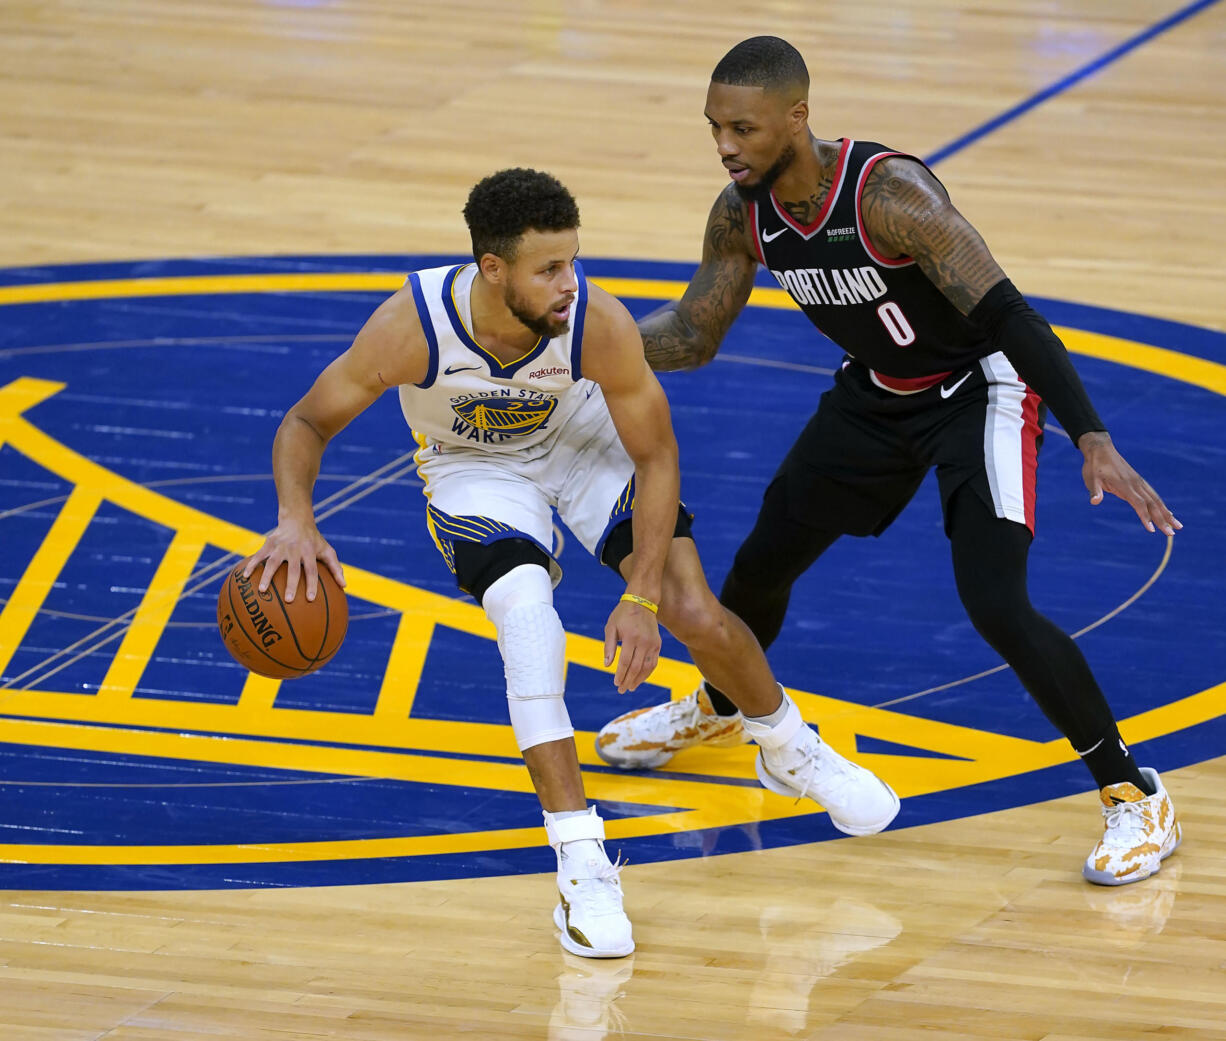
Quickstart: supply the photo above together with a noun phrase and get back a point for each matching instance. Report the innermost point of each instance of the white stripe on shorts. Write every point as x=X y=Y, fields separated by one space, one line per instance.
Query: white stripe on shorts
x=1003 y=439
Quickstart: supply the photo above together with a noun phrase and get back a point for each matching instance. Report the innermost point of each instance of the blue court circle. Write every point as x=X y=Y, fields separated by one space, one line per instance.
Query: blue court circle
x=182 y=394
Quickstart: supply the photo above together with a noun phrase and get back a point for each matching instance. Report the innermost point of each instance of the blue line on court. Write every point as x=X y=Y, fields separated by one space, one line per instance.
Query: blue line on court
x=1068 y=81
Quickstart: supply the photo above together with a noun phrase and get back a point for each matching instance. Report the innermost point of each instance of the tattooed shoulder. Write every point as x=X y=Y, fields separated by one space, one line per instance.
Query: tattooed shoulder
x=899 y=195
x=907 y=212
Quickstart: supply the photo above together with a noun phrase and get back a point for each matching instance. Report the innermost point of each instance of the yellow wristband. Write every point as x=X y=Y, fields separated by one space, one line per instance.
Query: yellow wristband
x=642 y=601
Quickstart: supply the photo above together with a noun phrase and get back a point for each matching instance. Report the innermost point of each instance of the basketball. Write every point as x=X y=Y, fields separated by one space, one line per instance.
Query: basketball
x=281 y=640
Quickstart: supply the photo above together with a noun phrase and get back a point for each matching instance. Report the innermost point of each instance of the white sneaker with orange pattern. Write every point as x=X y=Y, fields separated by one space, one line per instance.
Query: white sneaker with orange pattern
x=650 y=737
x=1140 y=832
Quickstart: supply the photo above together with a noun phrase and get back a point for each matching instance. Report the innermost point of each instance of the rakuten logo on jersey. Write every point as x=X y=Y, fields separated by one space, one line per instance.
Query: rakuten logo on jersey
x=542 y=373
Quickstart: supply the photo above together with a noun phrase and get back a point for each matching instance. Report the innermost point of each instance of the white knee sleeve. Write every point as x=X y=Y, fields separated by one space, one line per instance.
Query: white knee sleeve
x=533 y=646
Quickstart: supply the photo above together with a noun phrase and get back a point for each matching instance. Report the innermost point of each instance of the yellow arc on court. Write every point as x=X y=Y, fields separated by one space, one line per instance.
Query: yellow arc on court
x=255 y=732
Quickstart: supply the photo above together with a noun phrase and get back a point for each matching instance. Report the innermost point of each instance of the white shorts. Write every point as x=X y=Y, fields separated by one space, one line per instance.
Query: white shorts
x=484 y=496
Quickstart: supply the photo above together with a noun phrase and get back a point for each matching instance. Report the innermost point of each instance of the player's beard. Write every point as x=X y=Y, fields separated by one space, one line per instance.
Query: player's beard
x=545 y=325
x=758 y=192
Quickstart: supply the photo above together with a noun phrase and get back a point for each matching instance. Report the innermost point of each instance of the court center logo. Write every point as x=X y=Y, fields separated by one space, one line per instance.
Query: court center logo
x=144 y=757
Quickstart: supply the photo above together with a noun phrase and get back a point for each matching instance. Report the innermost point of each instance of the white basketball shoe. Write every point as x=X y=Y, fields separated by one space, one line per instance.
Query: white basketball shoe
x=589 y=915
x=794 y=760
x=1139 y=832
x=649 y=737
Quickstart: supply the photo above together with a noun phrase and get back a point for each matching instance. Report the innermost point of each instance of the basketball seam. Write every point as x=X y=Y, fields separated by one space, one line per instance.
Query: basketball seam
x=323 y=640
x=260 y=650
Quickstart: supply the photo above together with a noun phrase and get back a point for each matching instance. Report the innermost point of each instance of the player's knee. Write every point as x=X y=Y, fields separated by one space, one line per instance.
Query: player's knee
x=998 y=619
x=520 y=584
x=693 y=615
x=533 y=646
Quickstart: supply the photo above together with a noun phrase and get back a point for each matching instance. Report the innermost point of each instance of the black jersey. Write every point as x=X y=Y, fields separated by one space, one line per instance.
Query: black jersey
x=884 y=313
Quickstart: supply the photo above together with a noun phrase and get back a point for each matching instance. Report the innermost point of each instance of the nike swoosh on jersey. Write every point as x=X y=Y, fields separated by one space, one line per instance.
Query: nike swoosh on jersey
x=948 y=392
x=772 y=235
x=451 y=370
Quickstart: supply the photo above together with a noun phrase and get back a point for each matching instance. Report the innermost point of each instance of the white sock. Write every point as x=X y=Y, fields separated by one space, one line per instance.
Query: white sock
x=773 y=719
x=776 y=729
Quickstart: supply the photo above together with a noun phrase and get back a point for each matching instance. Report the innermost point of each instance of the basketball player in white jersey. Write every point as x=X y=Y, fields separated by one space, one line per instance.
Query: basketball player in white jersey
x=528 y=391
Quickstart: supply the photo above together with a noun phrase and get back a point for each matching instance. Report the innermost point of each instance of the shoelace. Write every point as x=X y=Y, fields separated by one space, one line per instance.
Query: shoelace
x=1126 y=823
x=685 y=712
x=834 y=767
x=604 y=898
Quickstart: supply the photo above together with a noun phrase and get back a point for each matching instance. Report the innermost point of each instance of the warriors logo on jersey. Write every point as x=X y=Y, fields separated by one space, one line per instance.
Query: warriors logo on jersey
x=502 y=416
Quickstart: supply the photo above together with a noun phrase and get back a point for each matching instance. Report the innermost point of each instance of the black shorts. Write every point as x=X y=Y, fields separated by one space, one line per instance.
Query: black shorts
x=864 y=453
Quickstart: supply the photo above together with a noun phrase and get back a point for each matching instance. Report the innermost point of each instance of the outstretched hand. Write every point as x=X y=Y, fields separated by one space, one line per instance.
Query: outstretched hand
x=636 y=629
x=299 y=545
x=1105 y=470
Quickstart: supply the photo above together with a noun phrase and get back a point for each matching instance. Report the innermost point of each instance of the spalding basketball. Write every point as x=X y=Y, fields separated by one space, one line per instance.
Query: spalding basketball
x=274 y=638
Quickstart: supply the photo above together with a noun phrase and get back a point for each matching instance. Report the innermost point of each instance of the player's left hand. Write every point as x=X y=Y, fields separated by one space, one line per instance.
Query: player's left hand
x=1105 y=470
x=636 y=629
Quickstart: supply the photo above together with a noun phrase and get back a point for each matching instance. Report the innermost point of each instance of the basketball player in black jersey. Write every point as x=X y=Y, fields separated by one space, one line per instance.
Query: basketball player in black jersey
x=946 y=365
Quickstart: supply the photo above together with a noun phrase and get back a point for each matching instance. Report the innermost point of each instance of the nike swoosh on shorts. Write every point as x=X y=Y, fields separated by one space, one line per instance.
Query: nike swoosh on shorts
x=948 y=392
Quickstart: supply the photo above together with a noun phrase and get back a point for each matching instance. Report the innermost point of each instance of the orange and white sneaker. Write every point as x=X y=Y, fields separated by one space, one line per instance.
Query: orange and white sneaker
x=1140 y=832
x=650 y=737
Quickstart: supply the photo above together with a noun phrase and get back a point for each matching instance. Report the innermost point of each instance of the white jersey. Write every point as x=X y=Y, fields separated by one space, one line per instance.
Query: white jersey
x=469 y=398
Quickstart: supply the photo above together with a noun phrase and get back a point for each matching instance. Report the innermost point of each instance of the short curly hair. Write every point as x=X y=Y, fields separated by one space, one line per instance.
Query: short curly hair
x=506 y=204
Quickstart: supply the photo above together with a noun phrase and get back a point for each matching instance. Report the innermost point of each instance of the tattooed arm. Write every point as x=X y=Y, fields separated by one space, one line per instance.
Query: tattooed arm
x=907 y=212
x=687 y=333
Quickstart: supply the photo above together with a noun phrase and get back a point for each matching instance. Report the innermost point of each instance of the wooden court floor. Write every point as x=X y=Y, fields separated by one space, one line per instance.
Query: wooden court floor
x=162 y=128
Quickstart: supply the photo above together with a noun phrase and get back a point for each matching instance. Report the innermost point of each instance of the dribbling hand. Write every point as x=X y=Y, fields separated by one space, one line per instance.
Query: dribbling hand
x=298 y=545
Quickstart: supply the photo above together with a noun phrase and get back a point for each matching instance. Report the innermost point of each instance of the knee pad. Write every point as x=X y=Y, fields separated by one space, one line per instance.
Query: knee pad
x=533 y=646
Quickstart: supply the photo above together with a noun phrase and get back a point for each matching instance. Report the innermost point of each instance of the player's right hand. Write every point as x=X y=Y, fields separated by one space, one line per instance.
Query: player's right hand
x=1105 y=470
x=298 y=544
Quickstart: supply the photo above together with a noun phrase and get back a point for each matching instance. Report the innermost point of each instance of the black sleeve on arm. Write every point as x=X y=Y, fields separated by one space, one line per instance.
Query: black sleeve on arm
x=1038 y=355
